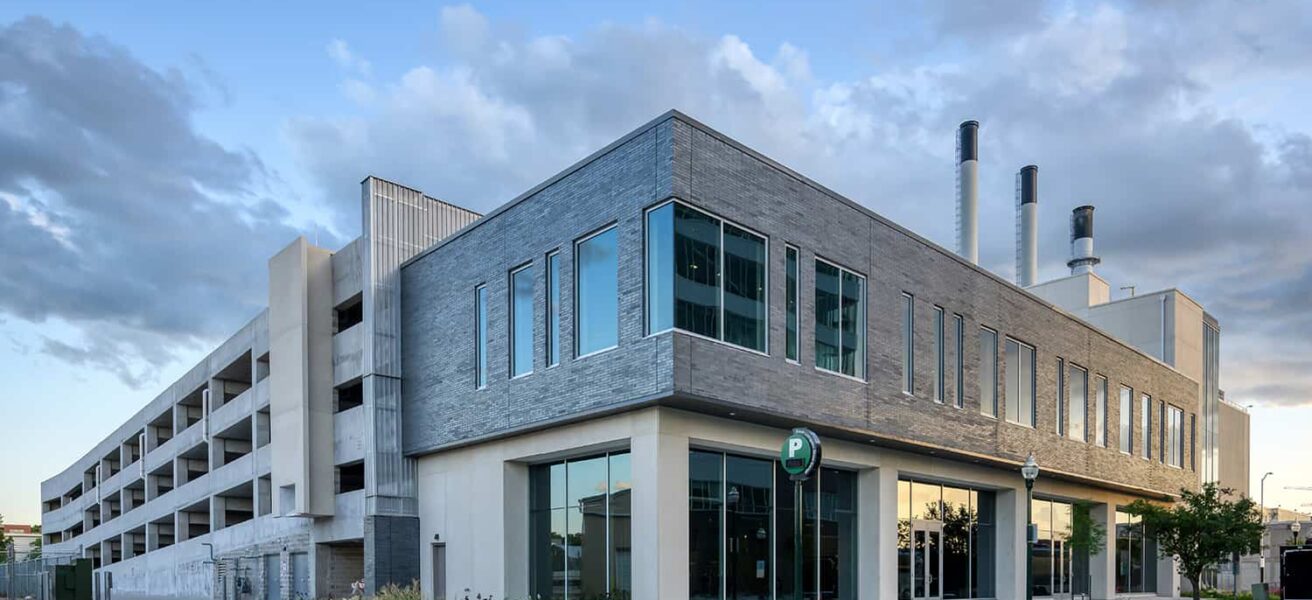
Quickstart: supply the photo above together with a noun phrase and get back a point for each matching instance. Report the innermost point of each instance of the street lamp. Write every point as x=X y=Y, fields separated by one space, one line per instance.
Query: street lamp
x=1261 y=569
x=1030 y=471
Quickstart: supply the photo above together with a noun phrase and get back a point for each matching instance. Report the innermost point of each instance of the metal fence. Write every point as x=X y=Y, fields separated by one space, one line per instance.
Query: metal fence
x=32 y=579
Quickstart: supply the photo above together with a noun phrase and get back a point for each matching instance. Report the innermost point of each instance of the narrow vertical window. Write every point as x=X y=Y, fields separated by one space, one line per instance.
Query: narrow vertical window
x=1193 y=442
x=1100 y=412
x=908 y=343
x=1161 y=428
x=840 y=320
x=939 y=361
x=596 y=292
x=744 y=288
x=660 y=268
x=988 y=372
x=790 y=300
x=1126 y=434
x=521 y=321
x=480 y=335
x=553 y=309
x=1079 y=398
x=959 y=379
x=1061 y=397
x=1020 y=383
x=1147 y=426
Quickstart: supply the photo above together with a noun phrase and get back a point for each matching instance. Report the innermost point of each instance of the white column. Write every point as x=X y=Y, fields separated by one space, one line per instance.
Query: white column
x=659 y=460
x=1102 y=566
x=877 y=545
x=516 y=494
x=1011 y=543
x=1168 y=579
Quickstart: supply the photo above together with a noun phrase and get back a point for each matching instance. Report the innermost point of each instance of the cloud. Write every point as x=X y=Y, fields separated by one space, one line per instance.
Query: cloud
x=341 y=54
x=116 y=216
x=1130 y=108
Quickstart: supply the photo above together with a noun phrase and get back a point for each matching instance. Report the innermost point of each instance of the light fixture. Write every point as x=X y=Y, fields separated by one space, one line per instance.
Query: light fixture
x=1030 y=470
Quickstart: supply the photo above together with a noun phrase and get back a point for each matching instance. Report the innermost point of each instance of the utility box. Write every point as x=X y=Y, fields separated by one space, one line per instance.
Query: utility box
x=73 y=581
x=1296 y=573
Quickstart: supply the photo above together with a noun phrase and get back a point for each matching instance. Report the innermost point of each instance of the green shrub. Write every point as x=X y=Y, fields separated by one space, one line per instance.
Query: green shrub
x=396 y=592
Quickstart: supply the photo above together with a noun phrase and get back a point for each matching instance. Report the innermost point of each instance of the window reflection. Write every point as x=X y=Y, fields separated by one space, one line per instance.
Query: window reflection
x=945 y=541
x=579 y=522
x=596 y=314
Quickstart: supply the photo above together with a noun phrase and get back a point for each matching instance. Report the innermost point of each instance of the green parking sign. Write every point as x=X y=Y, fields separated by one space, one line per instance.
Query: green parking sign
x=800 y=454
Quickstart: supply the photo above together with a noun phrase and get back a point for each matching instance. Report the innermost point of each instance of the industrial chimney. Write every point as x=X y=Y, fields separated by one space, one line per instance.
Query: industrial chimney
x=1027 y=226
x=968 y=191
x=1082 y=258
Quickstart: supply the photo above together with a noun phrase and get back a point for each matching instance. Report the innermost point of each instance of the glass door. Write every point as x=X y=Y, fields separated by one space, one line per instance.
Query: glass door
x=926 y=560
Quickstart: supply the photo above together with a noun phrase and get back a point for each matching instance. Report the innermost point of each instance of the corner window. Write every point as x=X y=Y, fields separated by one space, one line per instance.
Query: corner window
x=705 y=276
x=596 y=292
x=791 y=288
x=840 y=320
x=988 y=372
x=480 y=336
x=521 y=321
x=1020 y=383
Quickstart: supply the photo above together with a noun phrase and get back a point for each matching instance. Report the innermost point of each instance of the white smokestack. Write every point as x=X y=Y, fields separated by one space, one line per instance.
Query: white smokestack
x=968 y=191
x=1027 y=226
x=1082 y=258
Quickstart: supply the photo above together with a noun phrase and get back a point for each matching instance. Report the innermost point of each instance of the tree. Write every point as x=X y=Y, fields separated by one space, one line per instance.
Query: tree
x=1201 y=529
x=35 y=551
x=4 y=541
x=1087 y=539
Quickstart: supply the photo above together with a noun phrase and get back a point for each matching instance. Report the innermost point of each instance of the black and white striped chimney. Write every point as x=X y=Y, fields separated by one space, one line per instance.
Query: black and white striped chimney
x=968 y=191
x=1027 y=226
x=1082 y=257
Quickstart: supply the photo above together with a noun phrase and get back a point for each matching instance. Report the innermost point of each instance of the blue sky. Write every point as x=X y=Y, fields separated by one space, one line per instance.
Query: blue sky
x=152 y=157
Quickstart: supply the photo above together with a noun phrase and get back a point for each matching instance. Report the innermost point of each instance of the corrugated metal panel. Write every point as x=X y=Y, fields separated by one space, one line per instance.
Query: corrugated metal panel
x=399 y=222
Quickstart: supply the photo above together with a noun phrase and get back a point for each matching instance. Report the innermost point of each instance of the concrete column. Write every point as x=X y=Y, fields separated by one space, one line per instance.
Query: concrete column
x=215 y=453
x=152 y=439
x=1102 y=566
x=179 y=472
x=179 y=419
x=659 y=460
x=181 y=531
x=877 y=543
x=126 y=543
x=152 y=537
x=515 y=526
x=218 y=514
x=1011 y=543
x=1168 y=579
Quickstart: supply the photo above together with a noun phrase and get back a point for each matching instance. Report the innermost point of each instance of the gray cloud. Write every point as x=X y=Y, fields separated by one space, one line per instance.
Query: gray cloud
x=1138 y=109
x=116 y=215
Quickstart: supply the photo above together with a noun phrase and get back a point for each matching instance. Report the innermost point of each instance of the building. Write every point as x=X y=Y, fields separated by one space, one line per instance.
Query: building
x=274 y=465
x=21 y=538
x=586 y=391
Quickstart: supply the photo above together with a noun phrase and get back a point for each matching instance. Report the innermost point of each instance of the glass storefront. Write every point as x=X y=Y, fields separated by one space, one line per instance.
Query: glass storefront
x=1058 y=570
x=579 y=514
x=1136 y=556
x=741 y=514
x=945 y=541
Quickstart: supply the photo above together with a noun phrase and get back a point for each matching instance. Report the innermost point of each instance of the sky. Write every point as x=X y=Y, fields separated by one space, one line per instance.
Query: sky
x=153 y=156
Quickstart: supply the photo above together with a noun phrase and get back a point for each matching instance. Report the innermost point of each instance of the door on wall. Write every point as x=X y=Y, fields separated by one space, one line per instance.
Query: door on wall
x=927 y=560
x=300 y=580
x=272 y=577
x=439 y=571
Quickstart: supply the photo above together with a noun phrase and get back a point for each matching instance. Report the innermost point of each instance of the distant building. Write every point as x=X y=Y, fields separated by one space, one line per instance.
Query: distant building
x=24 y=538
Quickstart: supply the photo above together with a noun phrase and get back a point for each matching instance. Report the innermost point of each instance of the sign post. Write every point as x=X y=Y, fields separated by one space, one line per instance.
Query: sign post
x=800 y=457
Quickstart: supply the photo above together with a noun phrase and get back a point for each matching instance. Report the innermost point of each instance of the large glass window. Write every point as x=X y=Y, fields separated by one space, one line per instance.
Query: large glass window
x=480 y=336
x=1175 y=436
x=791 y=290
x=959 y=373
x=1020 y=383
x=939 y=358
x=579 y=521
x=596 y=292
x=988 y=372
x=1136 y=556
x=945 y=541
x=553 y=309
x=1079 y=403
x=1127 y=419
x=1100 y=412
x=521 y=321
x=908 y=343
x=1054 y=563
x=741 y=513
x=840 y=320
x=705 y=276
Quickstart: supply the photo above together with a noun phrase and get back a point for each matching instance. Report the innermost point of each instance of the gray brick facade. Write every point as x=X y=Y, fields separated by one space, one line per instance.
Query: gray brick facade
x=676 y=157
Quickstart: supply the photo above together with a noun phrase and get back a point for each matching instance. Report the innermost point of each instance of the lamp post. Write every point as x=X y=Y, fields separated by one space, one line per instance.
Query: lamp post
x=1030 y=471
x=1261 y=569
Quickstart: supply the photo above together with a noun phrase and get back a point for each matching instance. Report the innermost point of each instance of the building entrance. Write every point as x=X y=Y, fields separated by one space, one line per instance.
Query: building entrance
x=926 y=560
